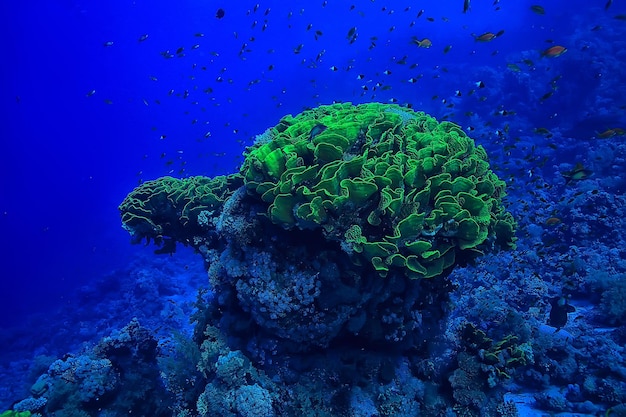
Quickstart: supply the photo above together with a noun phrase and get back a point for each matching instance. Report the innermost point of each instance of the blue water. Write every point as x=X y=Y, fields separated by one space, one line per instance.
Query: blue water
x=98 y=97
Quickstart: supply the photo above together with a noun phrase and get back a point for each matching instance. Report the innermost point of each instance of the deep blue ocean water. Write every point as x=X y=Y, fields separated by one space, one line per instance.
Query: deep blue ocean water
x=98 y=97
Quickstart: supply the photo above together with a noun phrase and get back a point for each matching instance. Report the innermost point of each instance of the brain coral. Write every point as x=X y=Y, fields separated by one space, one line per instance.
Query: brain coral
x=395 y=187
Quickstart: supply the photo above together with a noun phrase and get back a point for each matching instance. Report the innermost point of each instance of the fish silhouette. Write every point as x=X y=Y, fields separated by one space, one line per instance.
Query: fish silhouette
x=558 y=313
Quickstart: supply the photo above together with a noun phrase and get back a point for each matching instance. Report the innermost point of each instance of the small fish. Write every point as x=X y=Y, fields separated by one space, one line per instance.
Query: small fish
x=546 y=96
x=108 y=43
x=466 y=6
x=447 y=49
x=554 y=51
x=608 y=4
x=537 y=9
x=91 y=93
x=298 y=48
x=220 y=13
x=541 y=131
x=552 y=221
x=609 y=133
x=513 y=67
x=143 y=37
x=558 y=312
x=485 y=37
x=333 y=68
x=620 y=17
x=424 y=43
x=479 y=84
x=578 y=173
x=351 y=32
x=316 y=130
x=387 y=72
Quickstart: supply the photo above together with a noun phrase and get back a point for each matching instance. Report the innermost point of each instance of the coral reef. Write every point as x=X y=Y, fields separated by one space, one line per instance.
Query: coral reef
x=296 y=244
x=405 y=196
x=298 y=320
x=119 y=374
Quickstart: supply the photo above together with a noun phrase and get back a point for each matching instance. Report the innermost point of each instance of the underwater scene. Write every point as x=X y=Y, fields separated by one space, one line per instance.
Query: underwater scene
x=320 y=208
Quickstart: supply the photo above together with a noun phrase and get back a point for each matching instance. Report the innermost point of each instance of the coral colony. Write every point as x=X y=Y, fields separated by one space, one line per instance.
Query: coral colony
x=360 y=264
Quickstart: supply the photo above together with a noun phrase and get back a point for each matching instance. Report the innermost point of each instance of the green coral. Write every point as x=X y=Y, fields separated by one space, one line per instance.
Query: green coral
x=393 y=186
x=169 y=207
x=499 y=359
x=11 y=413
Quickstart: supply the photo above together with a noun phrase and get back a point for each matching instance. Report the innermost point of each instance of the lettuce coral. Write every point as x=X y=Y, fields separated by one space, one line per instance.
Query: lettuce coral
x=170 y=209
x=393 y=186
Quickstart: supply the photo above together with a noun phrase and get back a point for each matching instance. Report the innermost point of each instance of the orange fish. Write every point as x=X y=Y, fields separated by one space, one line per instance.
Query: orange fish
x=487 y=36
x=609 y=133
x=554 y=51
x=424 y=43
x=552 y=221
